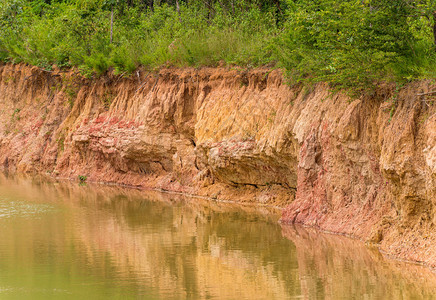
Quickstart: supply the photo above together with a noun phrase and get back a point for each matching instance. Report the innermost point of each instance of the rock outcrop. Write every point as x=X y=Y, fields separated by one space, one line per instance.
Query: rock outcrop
x=364 y=167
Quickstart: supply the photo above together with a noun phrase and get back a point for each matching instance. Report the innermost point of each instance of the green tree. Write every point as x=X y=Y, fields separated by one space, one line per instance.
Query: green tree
x=350 y=43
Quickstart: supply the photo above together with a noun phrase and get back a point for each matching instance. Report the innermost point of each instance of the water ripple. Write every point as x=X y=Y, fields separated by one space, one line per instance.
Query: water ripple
x=21 y=209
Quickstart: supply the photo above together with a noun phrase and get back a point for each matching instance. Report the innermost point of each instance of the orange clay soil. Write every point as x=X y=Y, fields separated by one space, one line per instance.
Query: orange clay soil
x=364 y=168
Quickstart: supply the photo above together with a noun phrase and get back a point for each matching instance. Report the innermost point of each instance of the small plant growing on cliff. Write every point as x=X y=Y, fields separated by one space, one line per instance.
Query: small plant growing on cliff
x=61 y=141
x=107 y=99
x=71 y=94
x=394 y=103
x=16 y=114
x=70 y=89
x=10 y=79
x=82 y=179
x=272 y=116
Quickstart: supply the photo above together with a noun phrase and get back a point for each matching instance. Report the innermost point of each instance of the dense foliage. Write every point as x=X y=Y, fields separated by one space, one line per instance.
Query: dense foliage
x=350 y=43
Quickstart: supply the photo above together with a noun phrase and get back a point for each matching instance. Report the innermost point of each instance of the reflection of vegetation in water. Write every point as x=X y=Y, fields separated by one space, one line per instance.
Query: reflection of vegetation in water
x=116 y=243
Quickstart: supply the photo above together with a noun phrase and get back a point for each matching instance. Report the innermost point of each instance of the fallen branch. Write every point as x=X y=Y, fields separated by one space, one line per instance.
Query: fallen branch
x=428 y=101
x=143 y=83
x=428 y=93
x=29 y=77
x=155 y=83
x=120 y=76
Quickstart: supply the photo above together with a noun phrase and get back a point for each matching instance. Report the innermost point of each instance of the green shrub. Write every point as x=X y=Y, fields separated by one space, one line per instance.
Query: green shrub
x=82 y=178
x=351 y=44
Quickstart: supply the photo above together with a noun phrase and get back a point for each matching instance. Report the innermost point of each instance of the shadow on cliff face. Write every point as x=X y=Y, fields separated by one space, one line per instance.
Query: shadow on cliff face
x=331 y=266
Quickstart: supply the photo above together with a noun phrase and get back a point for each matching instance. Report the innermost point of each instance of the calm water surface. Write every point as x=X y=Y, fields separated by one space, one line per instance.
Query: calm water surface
x=65 y=241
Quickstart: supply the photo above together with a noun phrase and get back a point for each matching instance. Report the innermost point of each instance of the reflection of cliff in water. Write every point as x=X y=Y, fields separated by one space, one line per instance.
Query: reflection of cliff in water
x=180 y=247
x=187 y=249
x=334 y=267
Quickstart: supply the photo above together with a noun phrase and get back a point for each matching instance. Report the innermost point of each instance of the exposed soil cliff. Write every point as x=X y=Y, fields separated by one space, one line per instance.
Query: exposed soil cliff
x=365 y=168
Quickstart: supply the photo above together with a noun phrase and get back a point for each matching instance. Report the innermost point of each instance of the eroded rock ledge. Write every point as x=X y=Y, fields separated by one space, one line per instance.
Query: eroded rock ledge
x=365 y=168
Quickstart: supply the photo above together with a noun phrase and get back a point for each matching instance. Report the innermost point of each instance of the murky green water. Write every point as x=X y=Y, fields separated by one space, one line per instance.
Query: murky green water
x=65 y=241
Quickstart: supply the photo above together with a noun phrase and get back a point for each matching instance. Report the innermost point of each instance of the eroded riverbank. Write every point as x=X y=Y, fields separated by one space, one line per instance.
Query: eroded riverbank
x=364 y=168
